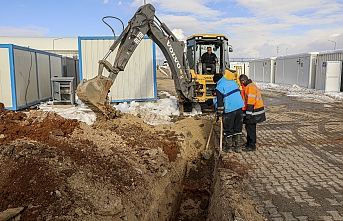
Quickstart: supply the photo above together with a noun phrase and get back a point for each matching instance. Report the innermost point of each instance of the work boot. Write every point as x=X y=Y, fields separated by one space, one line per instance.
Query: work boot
x=250 y=148
x=228 y=146
x=237 y=138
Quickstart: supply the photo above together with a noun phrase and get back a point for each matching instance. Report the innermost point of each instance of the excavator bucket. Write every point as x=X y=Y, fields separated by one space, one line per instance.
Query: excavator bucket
x=94 y=92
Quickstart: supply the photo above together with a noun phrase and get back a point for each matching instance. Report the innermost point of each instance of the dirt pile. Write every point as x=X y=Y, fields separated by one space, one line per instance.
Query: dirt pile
x=61 y=169
x=40 y=126
x=52 y=168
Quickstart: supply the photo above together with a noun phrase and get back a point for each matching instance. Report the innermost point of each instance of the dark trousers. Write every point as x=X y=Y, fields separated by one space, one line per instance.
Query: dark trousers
x=233 y=122
x=206 y=65
x=251 y=135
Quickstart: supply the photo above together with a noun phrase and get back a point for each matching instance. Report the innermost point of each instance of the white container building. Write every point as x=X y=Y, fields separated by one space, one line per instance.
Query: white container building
x=138 y=80
x=240 y=64
x=296 y=69
x=66 y=46
x=262 y=70
x=25 y=75
x=325 y=60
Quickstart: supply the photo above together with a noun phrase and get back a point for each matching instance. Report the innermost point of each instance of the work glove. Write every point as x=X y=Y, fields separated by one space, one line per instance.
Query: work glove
x=248 y=116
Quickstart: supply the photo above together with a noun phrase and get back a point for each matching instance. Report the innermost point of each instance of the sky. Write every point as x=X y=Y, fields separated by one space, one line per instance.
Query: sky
x=163 y=111
x=255 y=28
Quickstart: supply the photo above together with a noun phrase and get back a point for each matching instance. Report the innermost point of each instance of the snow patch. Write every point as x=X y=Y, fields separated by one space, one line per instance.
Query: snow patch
x=166 y=107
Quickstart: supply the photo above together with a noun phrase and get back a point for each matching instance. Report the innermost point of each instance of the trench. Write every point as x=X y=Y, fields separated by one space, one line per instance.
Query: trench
x=197 y=187
x=193 y=201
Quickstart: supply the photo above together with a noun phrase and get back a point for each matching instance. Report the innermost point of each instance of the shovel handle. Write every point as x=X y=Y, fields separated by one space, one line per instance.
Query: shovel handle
x=221 y=134
x=209 y=137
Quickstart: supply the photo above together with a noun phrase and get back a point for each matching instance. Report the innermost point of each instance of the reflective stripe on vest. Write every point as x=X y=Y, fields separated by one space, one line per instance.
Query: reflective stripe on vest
x=231 y=92
x=253 y=112
x=258 y=112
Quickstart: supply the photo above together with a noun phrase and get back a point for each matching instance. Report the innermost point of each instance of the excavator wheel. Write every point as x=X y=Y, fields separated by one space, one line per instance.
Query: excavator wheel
x=94 y=92
x=187 y=106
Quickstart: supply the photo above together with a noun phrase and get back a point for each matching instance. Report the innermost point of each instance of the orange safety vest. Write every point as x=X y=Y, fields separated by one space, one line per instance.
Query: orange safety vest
x=253 y=103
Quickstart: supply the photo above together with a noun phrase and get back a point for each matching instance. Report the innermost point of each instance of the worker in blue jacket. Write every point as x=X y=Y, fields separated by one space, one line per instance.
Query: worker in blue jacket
x=229 y=105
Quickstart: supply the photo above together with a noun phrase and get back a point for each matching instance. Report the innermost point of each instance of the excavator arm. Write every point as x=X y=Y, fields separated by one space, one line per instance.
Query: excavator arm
x=94 y=92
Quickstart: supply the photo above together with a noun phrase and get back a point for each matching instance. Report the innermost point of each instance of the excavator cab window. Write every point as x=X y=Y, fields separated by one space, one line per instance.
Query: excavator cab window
x=202 y=48
x=197 y=46
x=190 y=53
x=227 y=49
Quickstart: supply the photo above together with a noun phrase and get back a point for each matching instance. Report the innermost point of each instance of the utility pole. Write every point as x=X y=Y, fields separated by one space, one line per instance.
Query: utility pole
x=286 y=50
x=144 y=2
x=334 y=48
x=277 y=51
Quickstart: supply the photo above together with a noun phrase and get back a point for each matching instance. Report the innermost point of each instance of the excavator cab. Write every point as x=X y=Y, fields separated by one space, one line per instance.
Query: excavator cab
x=196 y=46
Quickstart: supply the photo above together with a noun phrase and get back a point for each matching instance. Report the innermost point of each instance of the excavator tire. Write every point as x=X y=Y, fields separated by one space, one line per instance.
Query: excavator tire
x=94 y=93
x=187 y=107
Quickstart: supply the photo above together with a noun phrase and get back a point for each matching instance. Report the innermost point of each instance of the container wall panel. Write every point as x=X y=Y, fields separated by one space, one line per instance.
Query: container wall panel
x=56 y=66
x=296 y=69
x=320 y=74
x=27 y=73
x=136 y=82
x=272 y=70
x=279 y=70
x=25 y=77
x=290 y=74
x=71 y=69
x=5 y=78
x=43 y=63
x=258 y=71
x=251 y=70
x=268 y=71
x=262 y=70
x=304 y=71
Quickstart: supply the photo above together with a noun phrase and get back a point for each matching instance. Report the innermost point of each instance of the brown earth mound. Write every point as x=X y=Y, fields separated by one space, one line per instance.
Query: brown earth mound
x=53 y=168
x=56 y=167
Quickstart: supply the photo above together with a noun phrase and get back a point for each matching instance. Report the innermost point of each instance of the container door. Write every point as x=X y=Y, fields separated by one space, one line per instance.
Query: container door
x=333 y=76
x=57 y=91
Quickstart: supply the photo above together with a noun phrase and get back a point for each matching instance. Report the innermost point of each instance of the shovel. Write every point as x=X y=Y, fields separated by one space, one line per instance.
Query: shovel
x=221 y=136
x=205 y=152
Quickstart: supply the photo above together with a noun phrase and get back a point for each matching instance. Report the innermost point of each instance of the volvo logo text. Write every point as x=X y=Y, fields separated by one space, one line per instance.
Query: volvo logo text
x=171 y=50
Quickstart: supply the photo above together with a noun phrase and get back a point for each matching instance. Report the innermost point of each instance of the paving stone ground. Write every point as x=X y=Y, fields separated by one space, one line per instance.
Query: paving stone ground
x=297 y=171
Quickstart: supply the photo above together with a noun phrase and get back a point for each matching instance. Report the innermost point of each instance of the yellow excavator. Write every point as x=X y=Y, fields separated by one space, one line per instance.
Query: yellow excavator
x=191 y=84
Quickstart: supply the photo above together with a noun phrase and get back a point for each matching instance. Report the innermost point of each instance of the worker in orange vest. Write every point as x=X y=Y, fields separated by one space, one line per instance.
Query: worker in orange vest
x=253 y=110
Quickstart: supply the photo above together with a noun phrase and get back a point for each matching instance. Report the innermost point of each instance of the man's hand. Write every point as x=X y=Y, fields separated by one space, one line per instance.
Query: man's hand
x=220 y=111
x=248 y=116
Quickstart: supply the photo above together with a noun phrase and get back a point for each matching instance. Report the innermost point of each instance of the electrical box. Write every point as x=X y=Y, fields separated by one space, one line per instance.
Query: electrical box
x=63 y=92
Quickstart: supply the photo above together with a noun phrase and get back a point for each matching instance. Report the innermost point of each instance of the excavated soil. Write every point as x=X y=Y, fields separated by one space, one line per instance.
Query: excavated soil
x=52 y=168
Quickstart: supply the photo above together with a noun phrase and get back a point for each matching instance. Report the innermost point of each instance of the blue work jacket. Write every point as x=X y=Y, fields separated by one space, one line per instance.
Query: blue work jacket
x=229 y=95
